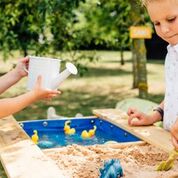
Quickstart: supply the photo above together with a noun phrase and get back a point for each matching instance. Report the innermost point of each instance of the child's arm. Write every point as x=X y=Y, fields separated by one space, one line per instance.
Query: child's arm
x=137 y=118
x=14 y=75
x=12 y=105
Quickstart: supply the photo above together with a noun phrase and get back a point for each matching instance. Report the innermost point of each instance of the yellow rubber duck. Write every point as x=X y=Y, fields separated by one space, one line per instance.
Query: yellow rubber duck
x=85 y=134
x=88 y=134
x=35 y=137
x=66 y=126
x=92 y=131
x=67 y=129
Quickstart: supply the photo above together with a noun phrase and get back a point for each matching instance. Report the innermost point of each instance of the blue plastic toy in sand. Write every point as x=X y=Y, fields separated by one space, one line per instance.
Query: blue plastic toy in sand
x=111 y=169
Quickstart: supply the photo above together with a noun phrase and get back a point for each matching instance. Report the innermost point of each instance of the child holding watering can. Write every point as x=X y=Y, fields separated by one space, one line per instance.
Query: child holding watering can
x=12 y=105
x=164 y=15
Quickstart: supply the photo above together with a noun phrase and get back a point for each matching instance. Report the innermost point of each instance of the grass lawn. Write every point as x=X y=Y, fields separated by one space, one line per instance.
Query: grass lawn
x=104 y=84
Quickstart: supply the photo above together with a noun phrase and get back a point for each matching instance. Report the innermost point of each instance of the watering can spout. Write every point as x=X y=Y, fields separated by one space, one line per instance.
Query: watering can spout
x=70 y=69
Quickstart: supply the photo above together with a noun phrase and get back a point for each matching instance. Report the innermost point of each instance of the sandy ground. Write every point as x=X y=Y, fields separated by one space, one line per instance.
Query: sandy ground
x=138 y=161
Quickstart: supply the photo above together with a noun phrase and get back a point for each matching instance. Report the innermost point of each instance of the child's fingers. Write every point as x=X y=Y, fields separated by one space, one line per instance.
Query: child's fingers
x=56 y=92
x=52 y=93
x=50 y=96
x=133 y=115
x=134 y=121
x=129 y=120
x=24 y=60
x=131 y=111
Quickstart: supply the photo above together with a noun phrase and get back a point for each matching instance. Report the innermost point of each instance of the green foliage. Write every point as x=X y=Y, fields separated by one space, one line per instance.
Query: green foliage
x=60 y=21
x=59 y=17
x=104 y=22
x=46 y=27
x=62 y=24
x=22 y=22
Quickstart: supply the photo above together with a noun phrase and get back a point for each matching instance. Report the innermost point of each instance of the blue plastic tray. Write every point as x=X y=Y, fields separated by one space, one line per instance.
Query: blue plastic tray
x=51 y=133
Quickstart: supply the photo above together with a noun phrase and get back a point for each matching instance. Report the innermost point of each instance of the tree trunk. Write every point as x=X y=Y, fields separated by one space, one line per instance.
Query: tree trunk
x=134 y=66
x=122 y=56
x=139 y=54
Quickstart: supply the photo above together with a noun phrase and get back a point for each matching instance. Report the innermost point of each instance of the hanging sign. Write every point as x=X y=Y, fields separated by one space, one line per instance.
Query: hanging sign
x=140 y=32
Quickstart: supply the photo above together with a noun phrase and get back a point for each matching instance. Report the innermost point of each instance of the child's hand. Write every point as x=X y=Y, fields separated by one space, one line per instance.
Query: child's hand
x=137 y=118
x=21 y=65
x=41 y=93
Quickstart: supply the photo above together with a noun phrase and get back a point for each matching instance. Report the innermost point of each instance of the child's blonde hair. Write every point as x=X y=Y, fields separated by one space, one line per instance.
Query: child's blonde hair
x=145 y=2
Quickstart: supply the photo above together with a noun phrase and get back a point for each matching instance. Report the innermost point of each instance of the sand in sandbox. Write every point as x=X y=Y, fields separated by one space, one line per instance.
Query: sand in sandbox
x=138 y=161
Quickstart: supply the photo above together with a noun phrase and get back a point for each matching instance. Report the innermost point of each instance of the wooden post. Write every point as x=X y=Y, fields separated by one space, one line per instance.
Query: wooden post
x=138 y=33
x=140 y=67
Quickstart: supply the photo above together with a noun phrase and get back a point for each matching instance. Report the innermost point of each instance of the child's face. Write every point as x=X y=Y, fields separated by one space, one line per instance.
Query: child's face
x=164 y=15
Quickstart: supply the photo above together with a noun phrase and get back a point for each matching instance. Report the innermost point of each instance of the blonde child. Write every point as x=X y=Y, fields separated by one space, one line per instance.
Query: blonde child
x=10 y=106
x=164 y=15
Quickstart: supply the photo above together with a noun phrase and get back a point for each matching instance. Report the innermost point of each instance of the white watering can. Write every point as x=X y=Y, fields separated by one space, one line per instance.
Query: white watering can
x=49 y=69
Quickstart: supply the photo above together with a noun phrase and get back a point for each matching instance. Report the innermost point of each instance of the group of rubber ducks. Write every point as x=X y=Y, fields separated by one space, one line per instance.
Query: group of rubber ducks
x=85 y=134
x=68 y=131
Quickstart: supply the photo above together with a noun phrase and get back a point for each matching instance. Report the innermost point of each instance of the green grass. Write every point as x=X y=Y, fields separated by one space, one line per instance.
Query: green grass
x=104 y=84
